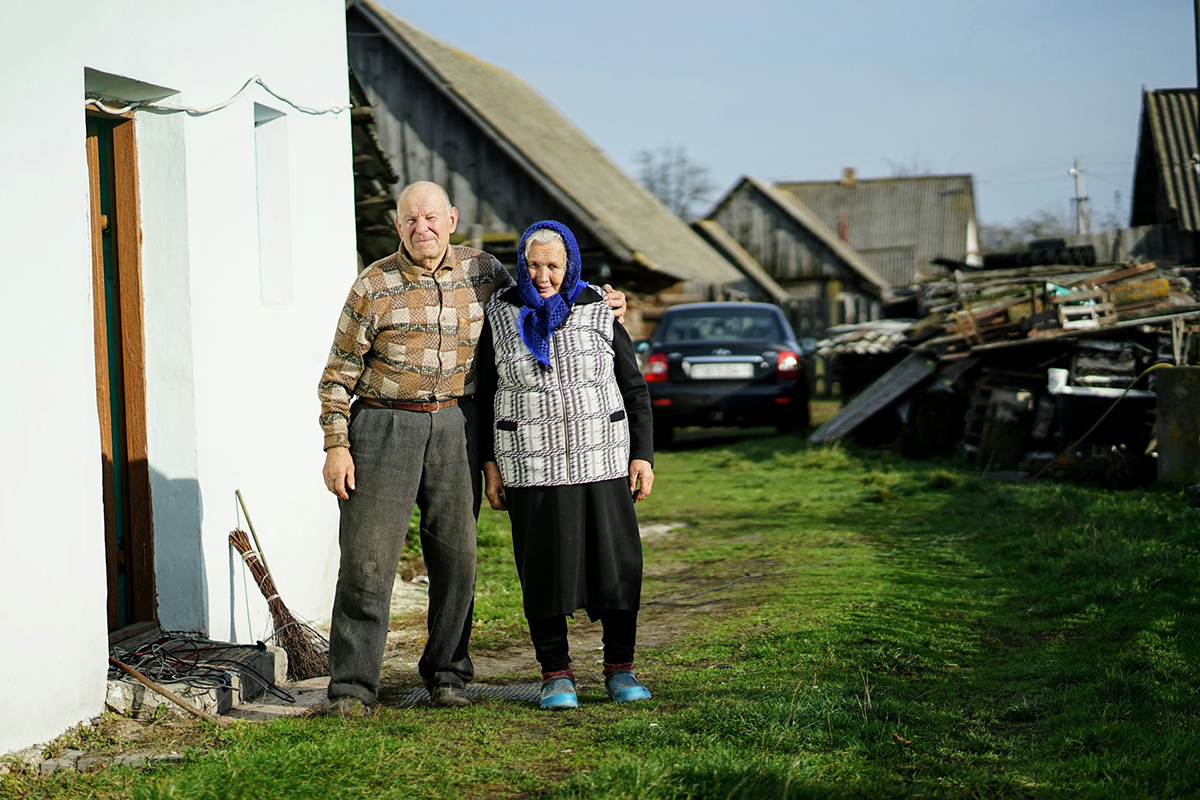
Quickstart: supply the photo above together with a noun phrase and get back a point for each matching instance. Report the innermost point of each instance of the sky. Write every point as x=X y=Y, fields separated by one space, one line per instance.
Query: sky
x=1011 y=91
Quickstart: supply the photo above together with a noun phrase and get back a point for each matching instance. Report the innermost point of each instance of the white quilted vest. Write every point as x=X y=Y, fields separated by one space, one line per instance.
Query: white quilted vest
x=564 y=424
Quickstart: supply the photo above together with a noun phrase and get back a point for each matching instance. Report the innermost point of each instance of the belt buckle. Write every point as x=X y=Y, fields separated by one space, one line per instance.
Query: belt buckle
x=437 y=406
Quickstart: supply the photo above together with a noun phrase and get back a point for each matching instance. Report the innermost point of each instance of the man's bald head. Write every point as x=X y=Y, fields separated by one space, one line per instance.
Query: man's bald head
x=422 y=187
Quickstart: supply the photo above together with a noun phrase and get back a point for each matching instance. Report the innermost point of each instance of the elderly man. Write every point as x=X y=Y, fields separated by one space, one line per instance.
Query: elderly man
x=404 y=352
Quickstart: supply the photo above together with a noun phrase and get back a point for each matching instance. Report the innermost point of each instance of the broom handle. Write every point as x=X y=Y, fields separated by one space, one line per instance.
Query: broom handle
x=250 y=525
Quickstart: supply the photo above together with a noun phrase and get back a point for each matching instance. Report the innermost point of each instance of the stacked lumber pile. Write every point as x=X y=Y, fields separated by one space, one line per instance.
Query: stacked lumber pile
x=1015 y=367
x=1046 y=301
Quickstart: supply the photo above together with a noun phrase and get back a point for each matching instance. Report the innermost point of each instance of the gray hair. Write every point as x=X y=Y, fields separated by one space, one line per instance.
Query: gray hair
x=544 y=236
x=422 y=184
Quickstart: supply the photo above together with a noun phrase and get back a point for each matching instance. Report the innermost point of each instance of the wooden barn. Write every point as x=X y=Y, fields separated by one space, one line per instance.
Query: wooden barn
x=1166 y=185
x=827 y=281
x=899 y=224
x=508 y=158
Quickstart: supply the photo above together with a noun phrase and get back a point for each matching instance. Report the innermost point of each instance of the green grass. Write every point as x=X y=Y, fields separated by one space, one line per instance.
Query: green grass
x=889 y=629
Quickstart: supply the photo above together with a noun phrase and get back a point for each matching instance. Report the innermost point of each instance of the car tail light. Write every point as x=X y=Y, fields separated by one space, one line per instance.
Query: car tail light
x=656 y=368
x=787 y=365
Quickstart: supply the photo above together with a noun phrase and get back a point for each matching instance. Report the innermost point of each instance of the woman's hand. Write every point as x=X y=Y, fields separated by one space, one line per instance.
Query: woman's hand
x=641 y=478
x=494 y=486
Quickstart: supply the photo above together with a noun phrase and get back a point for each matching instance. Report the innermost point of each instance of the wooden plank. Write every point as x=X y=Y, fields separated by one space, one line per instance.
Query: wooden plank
x=1121 y=274
x=129 y=262
x=914 y=370
x=1144 y=291
x=103 y=401
x=1191 y=312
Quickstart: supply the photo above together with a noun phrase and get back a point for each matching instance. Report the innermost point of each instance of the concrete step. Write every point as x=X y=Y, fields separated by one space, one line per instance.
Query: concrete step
x=240 y=685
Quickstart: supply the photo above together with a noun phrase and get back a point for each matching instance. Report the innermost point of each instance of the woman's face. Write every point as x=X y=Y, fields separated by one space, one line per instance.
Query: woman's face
x=547 y=264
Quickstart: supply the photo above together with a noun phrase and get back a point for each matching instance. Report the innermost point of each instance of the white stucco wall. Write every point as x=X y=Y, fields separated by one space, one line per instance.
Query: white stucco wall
x=230 y=381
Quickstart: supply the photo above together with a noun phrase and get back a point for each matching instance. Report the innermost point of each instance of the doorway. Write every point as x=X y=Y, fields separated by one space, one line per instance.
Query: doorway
x=120 y=371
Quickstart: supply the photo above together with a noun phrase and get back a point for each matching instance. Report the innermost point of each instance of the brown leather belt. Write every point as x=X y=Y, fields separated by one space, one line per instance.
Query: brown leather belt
x=431 y=407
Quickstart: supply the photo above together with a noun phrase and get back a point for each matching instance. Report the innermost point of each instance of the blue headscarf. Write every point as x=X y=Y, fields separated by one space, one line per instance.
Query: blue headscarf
x=540 y=316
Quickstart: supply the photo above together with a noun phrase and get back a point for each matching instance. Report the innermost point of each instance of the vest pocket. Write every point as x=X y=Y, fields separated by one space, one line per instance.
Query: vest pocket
x=506 y=425
x=617 y=416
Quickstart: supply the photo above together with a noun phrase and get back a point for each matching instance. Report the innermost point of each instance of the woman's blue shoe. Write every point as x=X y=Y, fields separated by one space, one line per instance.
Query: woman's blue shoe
x=624 y=687
x=559 y=693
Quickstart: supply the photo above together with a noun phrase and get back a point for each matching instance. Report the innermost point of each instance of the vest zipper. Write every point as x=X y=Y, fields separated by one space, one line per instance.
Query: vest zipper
x=562 y=396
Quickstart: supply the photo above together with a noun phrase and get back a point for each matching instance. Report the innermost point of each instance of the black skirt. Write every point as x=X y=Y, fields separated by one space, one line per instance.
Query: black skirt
x=576 y=547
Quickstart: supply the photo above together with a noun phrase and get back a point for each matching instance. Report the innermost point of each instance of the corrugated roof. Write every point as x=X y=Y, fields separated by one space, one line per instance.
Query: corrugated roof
x=718 y=237
x=926 y=216
x=619 y=212
x=1166 y=184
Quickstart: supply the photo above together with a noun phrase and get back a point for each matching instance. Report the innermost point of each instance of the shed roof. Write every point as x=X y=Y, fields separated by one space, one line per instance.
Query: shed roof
x=896 y=224
x=618 y=212
x=1166 y=186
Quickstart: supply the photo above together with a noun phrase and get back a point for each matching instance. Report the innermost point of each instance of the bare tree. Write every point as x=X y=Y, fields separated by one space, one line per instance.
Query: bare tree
x=1044 y=224
x=915 y=167
x=680 y=183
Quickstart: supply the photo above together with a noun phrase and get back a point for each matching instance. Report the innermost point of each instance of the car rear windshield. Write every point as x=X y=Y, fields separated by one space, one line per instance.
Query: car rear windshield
x=720 y=325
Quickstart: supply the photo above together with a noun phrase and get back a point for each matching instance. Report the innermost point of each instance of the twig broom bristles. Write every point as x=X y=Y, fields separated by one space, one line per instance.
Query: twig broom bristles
x=307 y=650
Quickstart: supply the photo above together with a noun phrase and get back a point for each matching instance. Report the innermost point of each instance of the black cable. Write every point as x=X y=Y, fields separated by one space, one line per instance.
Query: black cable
x=196 y=664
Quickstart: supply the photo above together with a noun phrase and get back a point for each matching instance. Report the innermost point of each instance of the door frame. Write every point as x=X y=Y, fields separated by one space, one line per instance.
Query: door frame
x=123 y=218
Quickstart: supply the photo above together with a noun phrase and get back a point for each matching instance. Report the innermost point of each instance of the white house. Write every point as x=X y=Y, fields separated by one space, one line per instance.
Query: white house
x=170 y=281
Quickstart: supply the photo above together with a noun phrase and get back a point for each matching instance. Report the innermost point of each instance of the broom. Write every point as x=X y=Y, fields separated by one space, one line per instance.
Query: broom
x=307 y=650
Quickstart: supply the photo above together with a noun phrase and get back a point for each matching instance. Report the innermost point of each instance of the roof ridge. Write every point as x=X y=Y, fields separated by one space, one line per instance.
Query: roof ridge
x=601 y=212
x=938 y=176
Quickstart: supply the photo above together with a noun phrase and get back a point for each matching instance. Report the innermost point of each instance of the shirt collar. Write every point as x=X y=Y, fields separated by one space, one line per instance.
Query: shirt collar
x=413 y=272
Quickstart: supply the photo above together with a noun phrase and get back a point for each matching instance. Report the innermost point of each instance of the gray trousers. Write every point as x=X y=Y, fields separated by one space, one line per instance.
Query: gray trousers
x=402 y=458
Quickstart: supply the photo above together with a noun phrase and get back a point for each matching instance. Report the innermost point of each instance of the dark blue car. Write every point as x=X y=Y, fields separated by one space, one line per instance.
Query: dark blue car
x=719 y=364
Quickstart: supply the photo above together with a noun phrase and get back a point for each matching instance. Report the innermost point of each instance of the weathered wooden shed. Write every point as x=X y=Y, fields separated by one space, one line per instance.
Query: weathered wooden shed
x=828 y=281
x=509 y=158
x=1166 y=183
x=898 y=225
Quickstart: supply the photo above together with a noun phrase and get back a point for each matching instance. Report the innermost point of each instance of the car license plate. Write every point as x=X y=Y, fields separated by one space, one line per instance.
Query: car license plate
x=718 y=371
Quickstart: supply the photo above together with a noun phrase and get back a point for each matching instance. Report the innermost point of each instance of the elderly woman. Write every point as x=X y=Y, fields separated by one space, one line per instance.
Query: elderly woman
x=566 y=430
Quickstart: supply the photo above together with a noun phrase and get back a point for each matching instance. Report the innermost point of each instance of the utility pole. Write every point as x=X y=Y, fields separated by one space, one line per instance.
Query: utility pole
x=1083 y=220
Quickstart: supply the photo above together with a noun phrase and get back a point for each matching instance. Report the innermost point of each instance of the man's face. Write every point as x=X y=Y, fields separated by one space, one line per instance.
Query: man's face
x=425 y=222
x=547 y=264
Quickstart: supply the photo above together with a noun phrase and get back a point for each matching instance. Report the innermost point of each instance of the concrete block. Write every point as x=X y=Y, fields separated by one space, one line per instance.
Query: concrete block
x=134 y=761
x=135 y=700
x=90 y=762
x=246 y=686
x=52 y=765
x=167 y=758
x=281 y=663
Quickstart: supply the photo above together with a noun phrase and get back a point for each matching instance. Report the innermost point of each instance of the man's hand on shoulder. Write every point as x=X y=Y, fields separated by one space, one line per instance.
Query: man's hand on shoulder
x=616 y=301
x=339 y=471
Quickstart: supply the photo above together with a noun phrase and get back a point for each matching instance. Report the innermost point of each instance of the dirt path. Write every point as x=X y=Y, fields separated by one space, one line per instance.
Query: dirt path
x=658 y=625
